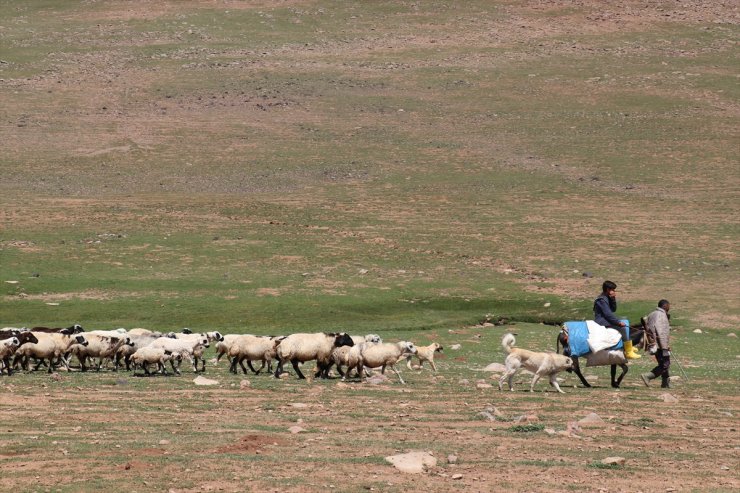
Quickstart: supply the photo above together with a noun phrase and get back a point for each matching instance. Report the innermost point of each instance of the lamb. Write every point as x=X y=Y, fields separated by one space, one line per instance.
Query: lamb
x=299 y=348
x=425 y=353
x=223 y=346
x=386 y=354
x=253 y=348
x=185 y=347
x=51 y=346
x=23 y=337
x=125 y=351
x=98 y=346
x=7 y=348
x=352 y=356
x=198 y=353
x=150 y=355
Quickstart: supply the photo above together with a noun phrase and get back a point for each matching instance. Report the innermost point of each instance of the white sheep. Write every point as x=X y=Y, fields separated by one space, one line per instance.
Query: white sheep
x=351 y=356
x=145 y=356
x=253 y=348
x=7 y=349
x=299 y=348
x=51 y=346
x=137 y=341
x=386 y=355
x=198 y=352
x=183 y=346
x=99 y=346
x=223 y=346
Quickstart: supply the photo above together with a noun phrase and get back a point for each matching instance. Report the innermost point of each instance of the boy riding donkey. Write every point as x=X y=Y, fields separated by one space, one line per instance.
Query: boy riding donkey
x=604 y=307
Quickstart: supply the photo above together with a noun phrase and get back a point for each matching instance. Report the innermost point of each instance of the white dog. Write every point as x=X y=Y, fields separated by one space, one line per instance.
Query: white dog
x=541 y=364
x=425 y=353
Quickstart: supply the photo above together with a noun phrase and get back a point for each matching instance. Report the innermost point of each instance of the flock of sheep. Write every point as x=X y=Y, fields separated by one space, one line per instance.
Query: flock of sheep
x=139 y=348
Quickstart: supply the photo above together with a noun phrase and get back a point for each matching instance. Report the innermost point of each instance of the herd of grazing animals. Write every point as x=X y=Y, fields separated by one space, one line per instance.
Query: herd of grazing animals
x=137 y=349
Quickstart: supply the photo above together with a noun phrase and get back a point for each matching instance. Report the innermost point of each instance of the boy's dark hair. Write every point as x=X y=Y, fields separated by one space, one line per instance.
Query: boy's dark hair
x=663 y=303
x=607 y=286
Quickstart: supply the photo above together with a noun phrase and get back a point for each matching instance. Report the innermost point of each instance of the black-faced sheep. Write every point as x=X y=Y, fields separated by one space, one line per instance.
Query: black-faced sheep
x=299 y=348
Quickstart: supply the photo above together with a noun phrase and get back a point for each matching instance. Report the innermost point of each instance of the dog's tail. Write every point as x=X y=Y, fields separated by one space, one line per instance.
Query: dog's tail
x=507 y=342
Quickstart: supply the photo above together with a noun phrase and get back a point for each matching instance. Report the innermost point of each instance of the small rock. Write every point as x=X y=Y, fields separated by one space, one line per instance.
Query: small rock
x=724 y=468
x=463 y=381
x=164 y=442
x=527 y=418
x=587 y=274
x=457 y=476
x=204 y=381
x=342 y=385
x=698 y=331
x=284 y=375
x=377 y=379
x=483 y=385
x=547 y=305
x=245 y=384
x=299 y=405
x=674 y=378
x=452 y=459
x=592 y=419
x=296 y=429
x=609 y=461
x=731 y=334
x=669 y=398
x=413 y=462
x=495 y=367
x=455 y=347
x=549 y=431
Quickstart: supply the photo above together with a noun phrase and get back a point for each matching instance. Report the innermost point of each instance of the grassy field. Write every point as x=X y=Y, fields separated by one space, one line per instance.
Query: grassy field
x=404 y=168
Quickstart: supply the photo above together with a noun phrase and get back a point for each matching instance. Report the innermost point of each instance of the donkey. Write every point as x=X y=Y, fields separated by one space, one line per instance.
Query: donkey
x=636 y=336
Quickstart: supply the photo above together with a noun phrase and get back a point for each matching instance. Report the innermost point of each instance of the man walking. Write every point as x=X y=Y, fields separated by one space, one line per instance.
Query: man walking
x=658 y=323
x=604 y=307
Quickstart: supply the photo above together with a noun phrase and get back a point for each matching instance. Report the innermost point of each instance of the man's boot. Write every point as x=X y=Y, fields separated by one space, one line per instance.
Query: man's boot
x=646 y=377
x=666 y=383
x=629 y=351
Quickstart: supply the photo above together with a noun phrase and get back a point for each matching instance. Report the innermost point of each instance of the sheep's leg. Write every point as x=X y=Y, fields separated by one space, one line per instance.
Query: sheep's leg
x=408 y=362
x=162 y=369
x=241 y=363
x=175 y=370
x=232 y=366
x=431 y=362
x=397 y=373
x=6 y=361
x=145 y=365
x=261 y=368
x=341 y=373
x=279 y=368
x=249 y=364
x=297 y=370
